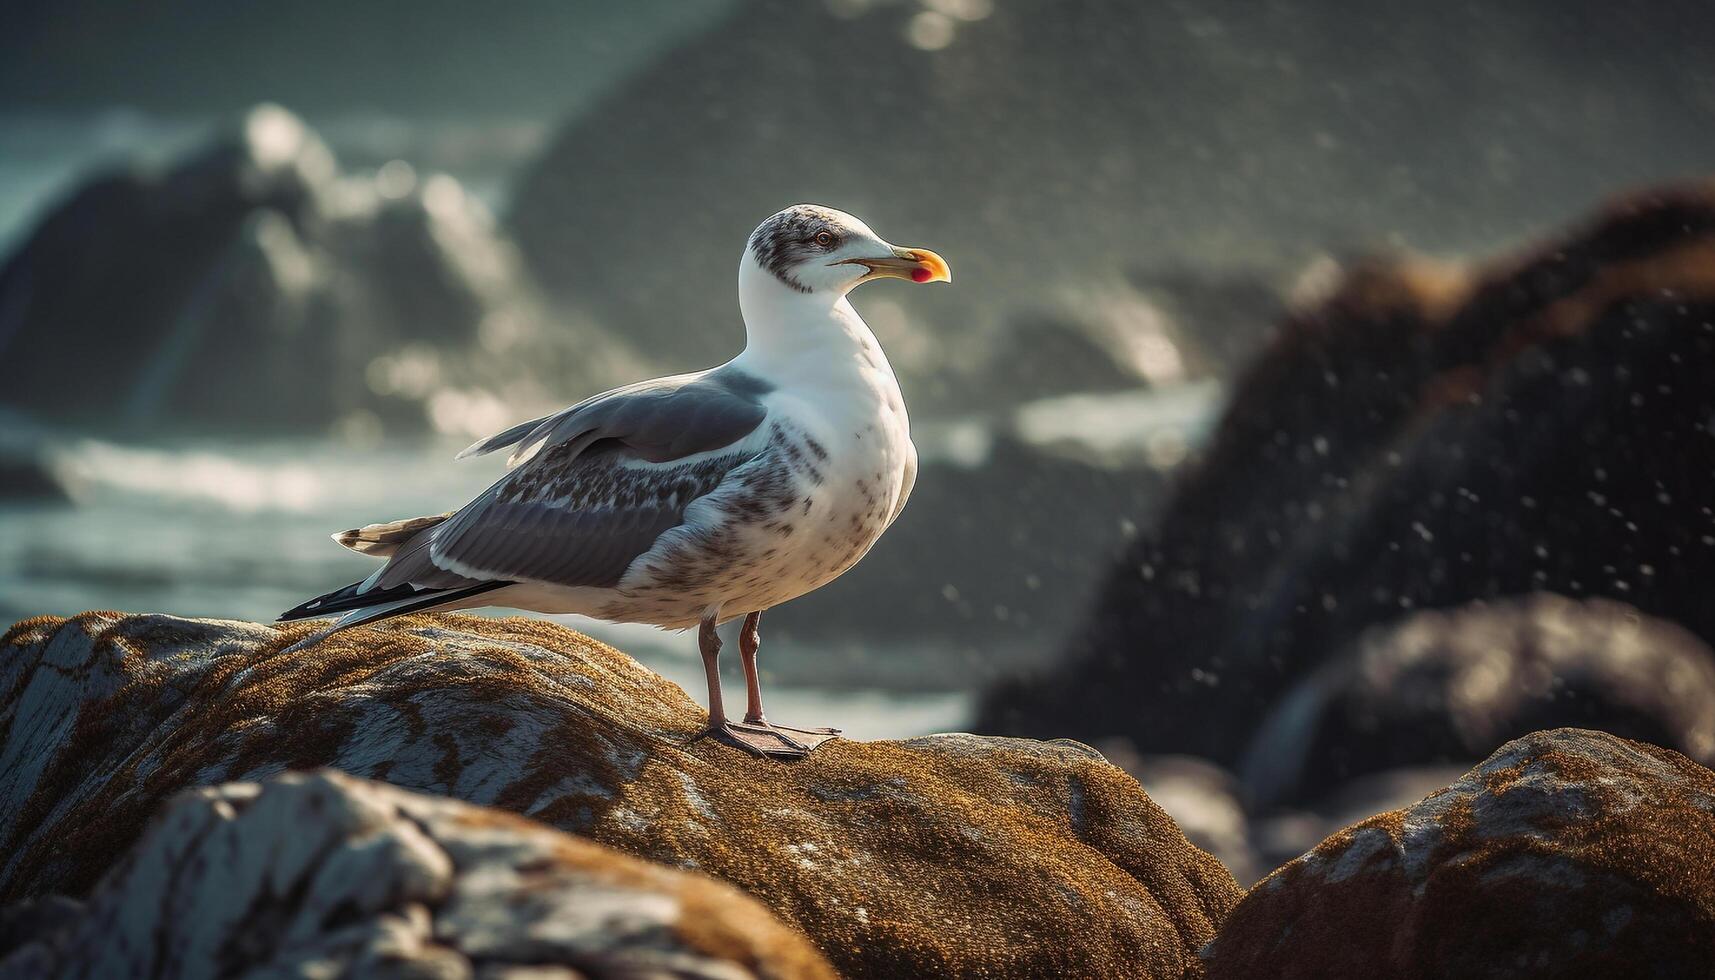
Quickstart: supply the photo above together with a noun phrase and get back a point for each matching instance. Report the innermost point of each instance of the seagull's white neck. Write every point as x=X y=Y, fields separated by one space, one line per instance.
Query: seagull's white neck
x=796 y=334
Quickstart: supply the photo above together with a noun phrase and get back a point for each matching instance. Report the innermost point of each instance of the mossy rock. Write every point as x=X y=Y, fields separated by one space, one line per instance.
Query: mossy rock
x=949 y=855
x=320 y=874
x=1567 y=853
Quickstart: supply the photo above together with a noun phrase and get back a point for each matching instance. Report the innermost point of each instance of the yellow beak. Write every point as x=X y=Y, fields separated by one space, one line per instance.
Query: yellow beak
x=915 y=264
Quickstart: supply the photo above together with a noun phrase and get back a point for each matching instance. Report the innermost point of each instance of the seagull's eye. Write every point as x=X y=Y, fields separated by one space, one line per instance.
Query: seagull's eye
x=825 y=239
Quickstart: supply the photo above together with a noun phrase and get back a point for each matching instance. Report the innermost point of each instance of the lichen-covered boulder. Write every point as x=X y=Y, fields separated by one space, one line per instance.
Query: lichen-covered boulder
x=317 y=875
x=942 y=856
x=1567 y=853
x=1204 y=799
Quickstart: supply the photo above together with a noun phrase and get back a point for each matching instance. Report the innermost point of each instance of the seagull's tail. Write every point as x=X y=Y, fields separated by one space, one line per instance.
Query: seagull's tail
x=382 y=540
x=361 y=607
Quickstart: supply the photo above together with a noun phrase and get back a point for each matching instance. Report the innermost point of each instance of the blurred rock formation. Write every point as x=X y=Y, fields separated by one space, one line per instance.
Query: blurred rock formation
x=1444 y=686
x=27 y=470
x=251 y=286
x=994 y=559
x=1426 y=437
x=1049 y=152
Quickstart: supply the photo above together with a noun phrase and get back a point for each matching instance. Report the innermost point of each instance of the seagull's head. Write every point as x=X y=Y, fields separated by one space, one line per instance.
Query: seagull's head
x=813 y=249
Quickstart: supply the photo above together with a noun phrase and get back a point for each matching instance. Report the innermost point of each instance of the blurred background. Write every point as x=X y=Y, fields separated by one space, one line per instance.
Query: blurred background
x=1293 y=432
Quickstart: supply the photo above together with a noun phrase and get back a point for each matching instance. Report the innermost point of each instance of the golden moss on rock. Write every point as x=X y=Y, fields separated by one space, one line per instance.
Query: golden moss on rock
x=1567 y=853
x=321 y=875
x=948 y=855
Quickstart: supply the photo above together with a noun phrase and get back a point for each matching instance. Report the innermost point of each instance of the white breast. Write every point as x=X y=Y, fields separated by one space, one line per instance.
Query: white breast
x=834 y=465
x=859 y=437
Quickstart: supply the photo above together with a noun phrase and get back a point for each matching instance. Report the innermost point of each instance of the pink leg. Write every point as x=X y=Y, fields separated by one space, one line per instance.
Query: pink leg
x=759 y=741
x=709 y=644
x=749 y=640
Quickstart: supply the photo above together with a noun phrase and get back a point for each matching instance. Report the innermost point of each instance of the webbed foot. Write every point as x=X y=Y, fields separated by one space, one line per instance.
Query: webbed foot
x=762 y=741
x=808 y=738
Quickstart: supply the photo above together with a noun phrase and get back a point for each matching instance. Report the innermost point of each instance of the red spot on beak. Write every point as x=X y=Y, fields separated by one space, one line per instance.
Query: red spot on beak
x=920 y=274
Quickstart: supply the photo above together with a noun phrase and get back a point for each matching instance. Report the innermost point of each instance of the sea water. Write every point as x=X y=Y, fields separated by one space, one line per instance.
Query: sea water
x=239 y=530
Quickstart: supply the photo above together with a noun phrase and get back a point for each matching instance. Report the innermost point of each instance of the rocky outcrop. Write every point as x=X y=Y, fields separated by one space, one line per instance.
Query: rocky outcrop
x=324 y=875
x=1567 y=853
x=251 y=285
x=1426 y=437
x=28 y=470
x=1047 y=153
x=945 y=855
x=1204 y=800
x=1449 y=686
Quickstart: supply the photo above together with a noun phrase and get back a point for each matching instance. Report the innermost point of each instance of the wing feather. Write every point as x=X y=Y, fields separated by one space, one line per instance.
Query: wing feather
x=612 y=474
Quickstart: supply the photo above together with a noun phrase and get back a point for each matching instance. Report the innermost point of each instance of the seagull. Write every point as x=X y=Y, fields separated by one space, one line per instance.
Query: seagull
x=690 y=500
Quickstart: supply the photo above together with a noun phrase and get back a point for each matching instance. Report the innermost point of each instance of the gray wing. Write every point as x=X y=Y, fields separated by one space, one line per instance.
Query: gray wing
x=707 y=409
x=504 y=439
x=613 y=474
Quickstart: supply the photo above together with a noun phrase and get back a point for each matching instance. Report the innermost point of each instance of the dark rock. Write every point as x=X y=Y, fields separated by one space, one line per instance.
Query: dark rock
x=1278 y=835
x=1045 y=153
x=250 y=285
x=324 y=875
x=27 y=478
x=949 y=855
x=1171 y=326
x=1058 y=353
x=992 y=561
x=1567 y=853
x=35 y=921
x=1442 y=687
x=1218 y=318
x=28 y=470
x=1426 y=437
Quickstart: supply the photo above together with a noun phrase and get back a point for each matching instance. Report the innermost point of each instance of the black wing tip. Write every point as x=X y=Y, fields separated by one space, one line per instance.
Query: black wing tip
x=349 y=598
x=340 y=600
x=309 y=610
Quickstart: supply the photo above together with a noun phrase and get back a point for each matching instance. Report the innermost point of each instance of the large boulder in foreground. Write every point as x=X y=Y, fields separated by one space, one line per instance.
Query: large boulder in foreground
x=1567 y=853
x=324 y=875
x=941 y=856
x=1426 y=437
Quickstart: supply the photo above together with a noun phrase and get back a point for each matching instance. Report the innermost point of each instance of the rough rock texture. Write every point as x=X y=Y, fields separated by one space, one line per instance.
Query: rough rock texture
x=250 y=284
x=1203 y=799
x=1450 y=686
x=945 y=855
x=1567 y=853
x=324 y=875
x=1277 y=835
x=1425 y=437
